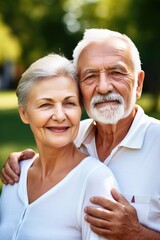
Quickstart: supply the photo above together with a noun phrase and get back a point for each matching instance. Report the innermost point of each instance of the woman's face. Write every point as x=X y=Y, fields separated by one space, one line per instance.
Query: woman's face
x=53 y=111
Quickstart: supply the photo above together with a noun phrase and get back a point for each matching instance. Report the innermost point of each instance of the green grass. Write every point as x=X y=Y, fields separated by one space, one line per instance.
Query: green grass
x=15 y=136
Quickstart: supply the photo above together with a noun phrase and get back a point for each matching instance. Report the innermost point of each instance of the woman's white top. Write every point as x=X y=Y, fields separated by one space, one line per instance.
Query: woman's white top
x=59 y=213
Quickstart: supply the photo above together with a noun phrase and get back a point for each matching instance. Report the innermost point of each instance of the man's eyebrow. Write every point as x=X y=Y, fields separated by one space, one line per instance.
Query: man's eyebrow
x=90 y=70
x=120 y=67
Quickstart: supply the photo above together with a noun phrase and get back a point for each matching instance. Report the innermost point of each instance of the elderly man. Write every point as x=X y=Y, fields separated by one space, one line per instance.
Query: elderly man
x=119 y=134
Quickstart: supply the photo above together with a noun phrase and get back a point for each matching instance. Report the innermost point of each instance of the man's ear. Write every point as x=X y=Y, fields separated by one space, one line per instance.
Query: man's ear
x=23 y=115
x=140 y=84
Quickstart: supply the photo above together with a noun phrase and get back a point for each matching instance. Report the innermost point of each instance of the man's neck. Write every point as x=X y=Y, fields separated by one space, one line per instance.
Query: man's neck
x=108 y=136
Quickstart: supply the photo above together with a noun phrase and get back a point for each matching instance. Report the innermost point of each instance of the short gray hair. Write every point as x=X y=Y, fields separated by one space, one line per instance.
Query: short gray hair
x=45 y=67
x=94 y=35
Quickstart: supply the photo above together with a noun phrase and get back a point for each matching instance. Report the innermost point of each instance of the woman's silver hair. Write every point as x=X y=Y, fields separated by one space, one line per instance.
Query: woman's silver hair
x=94 y=35
x=45 y=67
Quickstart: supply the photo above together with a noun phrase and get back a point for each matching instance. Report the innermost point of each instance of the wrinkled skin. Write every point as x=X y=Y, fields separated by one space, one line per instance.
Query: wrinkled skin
x=118 y=220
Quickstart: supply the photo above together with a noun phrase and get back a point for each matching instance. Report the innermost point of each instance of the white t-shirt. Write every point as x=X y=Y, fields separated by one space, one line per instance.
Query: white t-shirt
x=59 y=213
x=135 y=163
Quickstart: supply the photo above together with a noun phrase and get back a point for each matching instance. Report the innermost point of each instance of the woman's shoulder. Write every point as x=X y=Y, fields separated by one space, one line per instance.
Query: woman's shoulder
x=26 y=163
x=95 y=167
x=97 y=178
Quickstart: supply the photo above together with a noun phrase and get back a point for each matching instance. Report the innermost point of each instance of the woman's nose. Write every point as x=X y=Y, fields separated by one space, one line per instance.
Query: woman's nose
x=59 y=114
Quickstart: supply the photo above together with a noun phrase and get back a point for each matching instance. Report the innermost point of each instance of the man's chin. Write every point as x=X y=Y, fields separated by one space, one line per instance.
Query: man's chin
x=103 y=119
x=111 y=117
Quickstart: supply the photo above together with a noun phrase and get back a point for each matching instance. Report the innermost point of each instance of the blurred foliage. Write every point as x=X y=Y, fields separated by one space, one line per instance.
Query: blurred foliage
x=146 y=17
x=42 y=26
x=9 y=45
x=39 y=26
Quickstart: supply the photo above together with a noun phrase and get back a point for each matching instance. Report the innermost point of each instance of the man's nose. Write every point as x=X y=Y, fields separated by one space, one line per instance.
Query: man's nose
x=104 y=84
x=59 y=114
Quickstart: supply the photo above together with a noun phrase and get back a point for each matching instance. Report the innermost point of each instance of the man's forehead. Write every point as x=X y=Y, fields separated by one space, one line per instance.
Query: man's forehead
x=95 y=55
x=105 y=45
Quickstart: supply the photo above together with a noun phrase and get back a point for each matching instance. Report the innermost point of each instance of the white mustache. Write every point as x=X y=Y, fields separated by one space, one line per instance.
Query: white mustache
x=105 y=98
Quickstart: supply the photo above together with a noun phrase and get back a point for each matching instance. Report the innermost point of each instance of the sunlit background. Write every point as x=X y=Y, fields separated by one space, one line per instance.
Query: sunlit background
x=30 y=29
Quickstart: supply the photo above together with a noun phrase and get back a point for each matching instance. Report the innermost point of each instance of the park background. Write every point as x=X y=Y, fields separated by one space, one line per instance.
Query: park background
x=30 y=29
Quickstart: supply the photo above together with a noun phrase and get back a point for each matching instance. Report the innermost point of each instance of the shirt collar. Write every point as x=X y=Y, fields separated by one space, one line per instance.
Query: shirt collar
x=134 y=138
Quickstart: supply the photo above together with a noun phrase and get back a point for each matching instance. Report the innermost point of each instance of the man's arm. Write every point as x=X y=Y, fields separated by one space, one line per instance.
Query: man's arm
x=11 y=170
x=118 y=220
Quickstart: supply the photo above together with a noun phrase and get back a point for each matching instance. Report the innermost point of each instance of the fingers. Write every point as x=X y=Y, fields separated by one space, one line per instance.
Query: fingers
x=115 y=219
x=101 y=231
x=119 y=197
x=6 y=179
x=11 y=170
x=99 y=226
x=111 y=204
x=110 y=207
x=8 y=175
x=27 y=153
x=106 y=203
x=97 y=213
x=102 y=224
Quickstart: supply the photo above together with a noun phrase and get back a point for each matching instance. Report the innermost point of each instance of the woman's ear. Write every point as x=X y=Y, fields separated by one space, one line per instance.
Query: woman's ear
x=23 y=115
x=140 y=84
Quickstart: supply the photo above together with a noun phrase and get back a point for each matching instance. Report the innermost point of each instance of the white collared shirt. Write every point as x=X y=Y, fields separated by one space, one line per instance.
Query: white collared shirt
x=135 y=162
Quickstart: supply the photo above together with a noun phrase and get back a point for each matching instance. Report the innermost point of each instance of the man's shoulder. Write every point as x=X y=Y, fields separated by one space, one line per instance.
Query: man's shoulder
x=144 y=121
x=154 y=125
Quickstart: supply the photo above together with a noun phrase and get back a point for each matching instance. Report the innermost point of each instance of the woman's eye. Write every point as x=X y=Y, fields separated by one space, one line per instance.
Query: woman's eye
x=45 y=105
x=71 y=103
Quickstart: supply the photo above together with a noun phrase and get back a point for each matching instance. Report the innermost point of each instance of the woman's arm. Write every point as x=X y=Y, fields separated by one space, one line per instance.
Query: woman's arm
x=98 y=182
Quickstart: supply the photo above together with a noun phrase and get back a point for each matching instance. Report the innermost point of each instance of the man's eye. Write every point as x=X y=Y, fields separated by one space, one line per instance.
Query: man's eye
x=91 y=76
x=116 y=73
x=90 y=79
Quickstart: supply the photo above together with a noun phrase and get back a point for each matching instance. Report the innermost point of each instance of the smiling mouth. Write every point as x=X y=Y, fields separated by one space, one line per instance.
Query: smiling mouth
x=58 y=129
x=109 y=102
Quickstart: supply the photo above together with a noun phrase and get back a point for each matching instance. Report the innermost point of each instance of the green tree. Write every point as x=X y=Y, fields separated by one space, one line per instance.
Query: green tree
x=10 y=46
x=39 y=26
x=144 y=17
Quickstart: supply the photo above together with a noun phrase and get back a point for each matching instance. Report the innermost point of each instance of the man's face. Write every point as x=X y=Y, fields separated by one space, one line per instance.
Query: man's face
x=107 y=81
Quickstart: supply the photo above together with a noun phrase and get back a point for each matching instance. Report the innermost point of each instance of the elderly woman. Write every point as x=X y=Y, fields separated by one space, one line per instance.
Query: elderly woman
x=55 y=185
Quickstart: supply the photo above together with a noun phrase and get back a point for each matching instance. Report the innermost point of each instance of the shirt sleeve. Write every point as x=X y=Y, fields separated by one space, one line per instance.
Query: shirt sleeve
x=98 y=182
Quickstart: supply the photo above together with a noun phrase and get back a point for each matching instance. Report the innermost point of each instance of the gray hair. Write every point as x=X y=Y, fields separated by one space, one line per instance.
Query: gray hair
x=45 y=67
x=94 y=35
